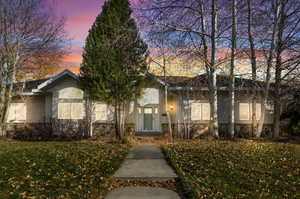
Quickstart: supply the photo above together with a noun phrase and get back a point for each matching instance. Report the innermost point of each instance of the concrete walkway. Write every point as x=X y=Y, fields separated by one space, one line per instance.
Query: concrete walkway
x=144 y=163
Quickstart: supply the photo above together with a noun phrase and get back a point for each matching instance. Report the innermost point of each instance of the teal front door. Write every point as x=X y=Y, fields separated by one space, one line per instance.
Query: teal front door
x=148 y=119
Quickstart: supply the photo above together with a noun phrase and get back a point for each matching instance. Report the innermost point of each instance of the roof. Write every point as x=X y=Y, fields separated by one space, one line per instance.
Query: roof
x=173 y=79
x=37 y=85
x=54 y=79
x=29 y=85
x=200 y=81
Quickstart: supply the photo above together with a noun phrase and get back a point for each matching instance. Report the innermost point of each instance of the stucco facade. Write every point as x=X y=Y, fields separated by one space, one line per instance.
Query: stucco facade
x=61 y=98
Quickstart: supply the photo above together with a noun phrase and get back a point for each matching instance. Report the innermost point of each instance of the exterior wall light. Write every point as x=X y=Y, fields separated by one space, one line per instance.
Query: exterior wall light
x=171 y=108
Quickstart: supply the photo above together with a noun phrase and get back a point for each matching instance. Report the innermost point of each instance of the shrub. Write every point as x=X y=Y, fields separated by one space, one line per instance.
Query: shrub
x=58 y=130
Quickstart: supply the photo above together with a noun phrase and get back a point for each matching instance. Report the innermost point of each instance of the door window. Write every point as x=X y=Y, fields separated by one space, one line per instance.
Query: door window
x=148 y=110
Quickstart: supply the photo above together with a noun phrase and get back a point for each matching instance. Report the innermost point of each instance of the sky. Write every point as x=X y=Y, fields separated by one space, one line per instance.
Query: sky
x=80 y=15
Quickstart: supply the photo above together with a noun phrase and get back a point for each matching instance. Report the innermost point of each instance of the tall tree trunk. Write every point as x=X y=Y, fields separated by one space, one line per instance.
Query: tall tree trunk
x=232 y=67
x=277 y=103
x=166 y=96
x=3 y=109
x=253 y=65
x=278 y=71
x=117 y=119
x=209 y=68
x=7 y=94
x=273 y=47
x=89 y=111
x=214 y=91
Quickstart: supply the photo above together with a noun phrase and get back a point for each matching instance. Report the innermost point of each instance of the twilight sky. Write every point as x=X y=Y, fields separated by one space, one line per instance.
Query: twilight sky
x=80 y=15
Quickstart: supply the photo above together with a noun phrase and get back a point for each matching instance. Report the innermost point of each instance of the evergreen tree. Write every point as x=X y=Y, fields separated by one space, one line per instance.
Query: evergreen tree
x=114 y=59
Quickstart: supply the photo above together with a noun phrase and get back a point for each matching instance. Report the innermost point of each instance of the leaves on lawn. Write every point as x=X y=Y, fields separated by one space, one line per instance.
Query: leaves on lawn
x=58 y=170
x=245 y=169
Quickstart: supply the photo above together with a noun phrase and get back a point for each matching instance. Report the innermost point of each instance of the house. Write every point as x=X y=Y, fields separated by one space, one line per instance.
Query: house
x=60 y=98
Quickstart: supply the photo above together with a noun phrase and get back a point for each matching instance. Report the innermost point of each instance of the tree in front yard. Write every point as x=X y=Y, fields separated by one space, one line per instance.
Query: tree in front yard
x=29 y=34
x=114 y=60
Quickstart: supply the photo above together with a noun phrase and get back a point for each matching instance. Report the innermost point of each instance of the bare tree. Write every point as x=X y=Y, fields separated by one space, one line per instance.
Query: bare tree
x=272 y=50
x=253 y=62
x=28 y=31
x=232 y=67
x=197 y=33
x=287 y=53
x=161 y=58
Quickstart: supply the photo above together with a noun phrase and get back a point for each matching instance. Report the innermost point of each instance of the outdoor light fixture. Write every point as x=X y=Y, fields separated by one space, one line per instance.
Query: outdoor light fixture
x=171 y=107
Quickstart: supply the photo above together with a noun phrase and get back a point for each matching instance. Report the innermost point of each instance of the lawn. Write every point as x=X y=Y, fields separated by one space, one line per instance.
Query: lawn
x=241 y=169
x=37 y=170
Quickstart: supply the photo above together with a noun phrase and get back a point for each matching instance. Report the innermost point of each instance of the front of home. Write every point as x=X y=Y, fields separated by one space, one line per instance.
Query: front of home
x=61 y=98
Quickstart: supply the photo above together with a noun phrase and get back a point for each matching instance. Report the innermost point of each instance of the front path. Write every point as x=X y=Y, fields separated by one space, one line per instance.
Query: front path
x=144 y=163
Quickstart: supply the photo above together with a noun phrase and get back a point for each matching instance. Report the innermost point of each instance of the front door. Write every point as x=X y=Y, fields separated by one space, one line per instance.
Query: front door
x=148 y=119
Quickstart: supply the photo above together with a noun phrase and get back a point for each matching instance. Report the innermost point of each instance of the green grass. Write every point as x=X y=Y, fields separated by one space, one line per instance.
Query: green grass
x=237 y=170
x=58 y=169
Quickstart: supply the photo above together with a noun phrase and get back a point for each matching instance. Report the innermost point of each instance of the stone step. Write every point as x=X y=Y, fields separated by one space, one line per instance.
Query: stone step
x=145 y=170
x=142 y=193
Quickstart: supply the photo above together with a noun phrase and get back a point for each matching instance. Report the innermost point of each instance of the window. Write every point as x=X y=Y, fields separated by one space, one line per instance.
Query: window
x=258 y=111
x=196 y=111
x=244 y=111
x=101 y=112
x=147 y=110
x=200 y=111
x=72 y=111
x=17 y=112
x=205 y=111
x=71 y=93
x=150 y=96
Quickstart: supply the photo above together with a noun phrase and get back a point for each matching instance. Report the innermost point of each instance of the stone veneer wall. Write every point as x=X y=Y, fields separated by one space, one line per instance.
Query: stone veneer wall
x=243 y=130
x=108 y=129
